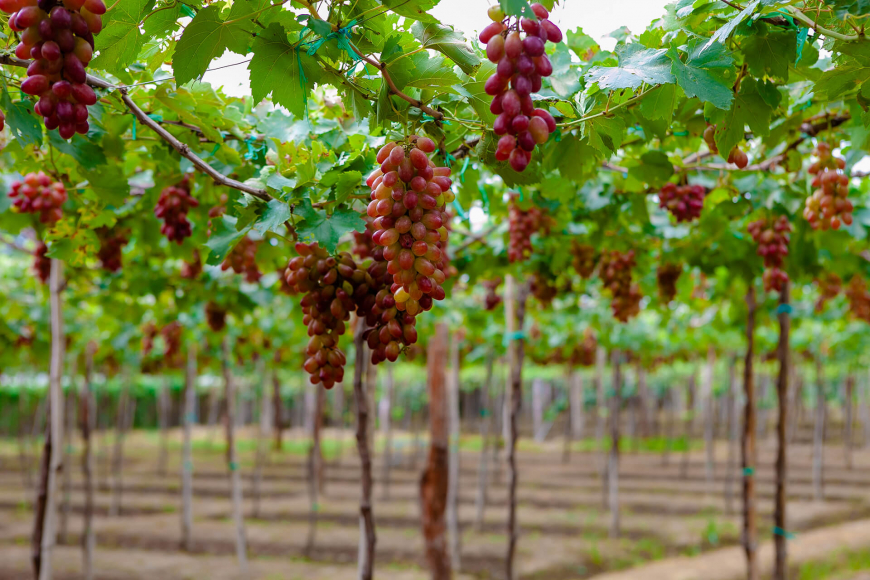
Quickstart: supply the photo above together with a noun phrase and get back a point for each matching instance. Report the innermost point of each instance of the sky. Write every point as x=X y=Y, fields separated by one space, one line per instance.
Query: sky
x=598 y=18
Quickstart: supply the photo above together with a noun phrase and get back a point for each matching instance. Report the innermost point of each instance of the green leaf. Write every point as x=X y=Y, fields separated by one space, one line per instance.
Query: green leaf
x=654 y=169
x=583 y=45
x=605 y=134
x=574 y=158
x=637 y=65
x=448 y=42
x=749 y=108
x=659 y=104
x=204 y=39
x=164 y=22
x=326 y=229
x=517 y=8
x=725 y=31
x=413 y=9
x=346 y=184
x=23 y=123
x=475 y=94
x=87 y=153
x=223 y=239
x=770 y=54
x=120 y=41
x=275 y=69
x=423 y=71
x=109 y=184
x=277 y=212
x=843 y=79
x=704 y=74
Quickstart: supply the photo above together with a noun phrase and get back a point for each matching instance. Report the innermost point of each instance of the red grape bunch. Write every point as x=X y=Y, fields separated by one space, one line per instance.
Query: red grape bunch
x=37 y=193
x=666 y=277
x=172 y=344
x=735 y=156
x=521 y=63
x=859 y=298
x=828 y=207
x=172 y=207
x=112 y=243
x=616 y=275
x=41 y=262
x=328 y=284
x=243 y=259
x=492 y=299
x=829 y=288
x=584 y=260
x=772 y=237
x=683 y=201
x=192 y=270
x=408 y=195
x=521 y=225
x=215 y=316
x=543 y=288
x=59 y=37
x=391 y=331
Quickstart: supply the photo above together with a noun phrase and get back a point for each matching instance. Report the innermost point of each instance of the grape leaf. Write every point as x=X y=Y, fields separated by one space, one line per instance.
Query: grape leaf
x=88 y=154
x=660 y=103
x=474 y=92
x=162 y=23
x=583 y=45
x=604 y=133
x=838 y=81
x=275 y=69
x=109 y=184
x=346 y=184
x=276 y=213
x=326 y=229
x=120 y=41
x=749 y=108
x=721 y=35
x=704 y=74
x=423 y=71
x=637 y=65
x=448 y=42
x=204 y=39
x=517 y=8
x=770 y=54
x=413 y=9
x=654 y=168
x=223 y=239
x=23 y=123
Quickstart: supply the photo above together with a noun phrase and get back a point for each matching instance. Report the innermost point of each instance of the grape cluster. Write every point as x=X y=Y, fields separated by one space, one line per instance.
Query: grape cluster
x=172 y=207
x=828 y=207
x=666 y=277
x=408 y=197
x=328 y=284
x=192 y=270
x=584 y=259
x=41 y=262
x=112 y=242
x=172 y=344
x=59 y=37
x=829 y=288
x=521 y=63
x=772 y=237
x=390 y=330
x=543 y=288
x=243 y=259
x=859 y=298
x=735 y=156
x=616 y=275
x=521 y=225
x=2 y=121
x=363 y=246
x=215 y=316
x=37 y=193
x=584 y=353
x=683 y=201
x=149 y=333
x=492 y=299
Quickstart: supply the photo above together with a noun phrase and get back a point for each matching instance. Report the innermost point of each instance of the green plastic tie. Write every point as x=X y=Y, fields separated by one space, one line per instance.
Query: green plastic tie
x=484 y=412
x=748 y=471
x=784 y=309
x=448 y=158
x=778 y=531
x=459 y=209
x=516 y=335
x=315 y=507
x=802 y=36
x=191 y=417
x=188 y=466
x=520 y=189
x=788 y=17
x=484 y=195
x=464 y=167
x=233 y=466
x=134 y=128
x=303 y=82
x=252 y=151
x=187 y=11
x=681 y=133
x=215 y=150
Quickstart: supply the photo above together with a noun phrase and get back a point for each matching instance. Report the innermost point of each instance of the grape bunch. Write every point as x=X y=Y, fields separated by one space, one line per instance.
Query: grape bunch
x=521 y=225
x=543 y=288
x=41 y=262
x=329 y=284
x=408 y=197
x=215 y=316
x=112 y=242
x=859 y=298
x=172 y=344
x=683 y=201
x=172 y=207
x=149 y=333
x=772 y=237
x=492 y=299
x=192 y=270
x=829 y=288
x=586 y=350
x=391 y=331
x=666 y=277
x=735 y=156
x=243 y=259
x=584 y=259
x=521 y=63
x=2 y=120
x=59 y=37
x=828 y=207
x=615 y=273
x=37 y=193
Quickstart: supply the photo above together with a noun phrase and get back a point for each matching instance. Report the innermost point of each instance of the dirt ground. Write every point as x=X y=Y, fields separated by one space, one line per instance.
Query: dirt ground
x=674 y=526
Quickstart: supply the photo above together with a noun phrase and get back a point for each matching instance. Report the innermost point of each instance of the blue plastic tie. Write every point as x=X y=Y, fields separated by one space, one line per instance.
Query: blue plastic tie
x=134 y=128
x=459 y=209
x=516 y=335
x=484 y=195
x=464 y=167
x=778 y=531
x=784 y=309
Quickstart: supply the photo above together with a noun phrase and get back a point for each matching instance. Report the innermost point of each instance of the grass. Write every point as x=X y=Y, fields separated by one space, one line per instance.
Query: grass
x=650 y=445
x=843 y=565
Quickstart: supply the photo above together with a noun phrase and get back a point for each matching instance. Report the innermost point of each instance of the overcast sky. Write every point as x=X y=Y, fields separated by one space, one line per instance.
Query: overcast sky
x=598 y=18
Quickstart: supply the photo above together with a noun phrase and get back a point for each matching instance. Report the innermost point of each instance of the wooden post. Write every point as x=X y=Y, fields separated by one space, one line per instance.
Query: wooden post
x=848 y=397
x=387 y=427
x=88 y=421
x=782 y=351
x=187 y=449
x=163 y=420
x=277 y=407
x=68 y=428
x=453 y=532
x=733 y=429
x=688 y=424
x=485 y=422
x=235 y=476
x=262 y=433
x=819 y=434
x=315 y=463
x=749 y=455
x=515 y=311
x=613 y=457
x=435 y=480
x=123 y=417
x=707 y=400
x=366 y=518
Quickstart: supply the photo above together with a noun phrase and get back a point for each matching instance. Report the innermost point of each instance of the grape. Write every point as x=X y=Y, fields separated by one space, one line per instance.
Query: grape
x=521 y=225
x=112 y=243
x=772 y=237
x=37 y=193
x=192 y=270
x=495 y=13
x=828 y=206
x=521 y=63
x=615 y=273
x=172 y=334
x=172 y=207
x=243 y=258
x=829 y=288
x=666 y=278
x=584 y=260
x=738 y=158
x=41 y=262
x=59 y=37
x=685 y=202
x=492 y=299
x=859 y=298
x=215 y=316
x=543 y=288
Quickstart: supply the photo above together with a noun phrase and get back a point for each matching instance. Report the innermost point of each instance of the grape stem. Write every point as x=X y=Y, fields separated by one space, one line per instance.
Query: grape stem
x=606 y=113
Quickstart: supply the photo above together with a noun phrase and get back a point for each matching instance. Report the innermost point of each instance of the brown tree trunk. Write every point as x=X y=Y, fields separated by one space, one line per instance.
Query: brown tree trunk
x=453 y=533
x=749 y=455
x=315 y=463
x=847 y=426
x=187 y=449
x=277 y=409
x=367 y=522
x=733 y=428
x=515 y=310
x=779 y=521
x=121 y=421
x=387 y=427
x=163 y=419
x=485 y=421
x=235 y=476
x=88 y=420
x=262 y=436
x=688 y=424
x=68 y=428
x=435 y=479
x=707 y=401
x=613 y=459
x=819 y=434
